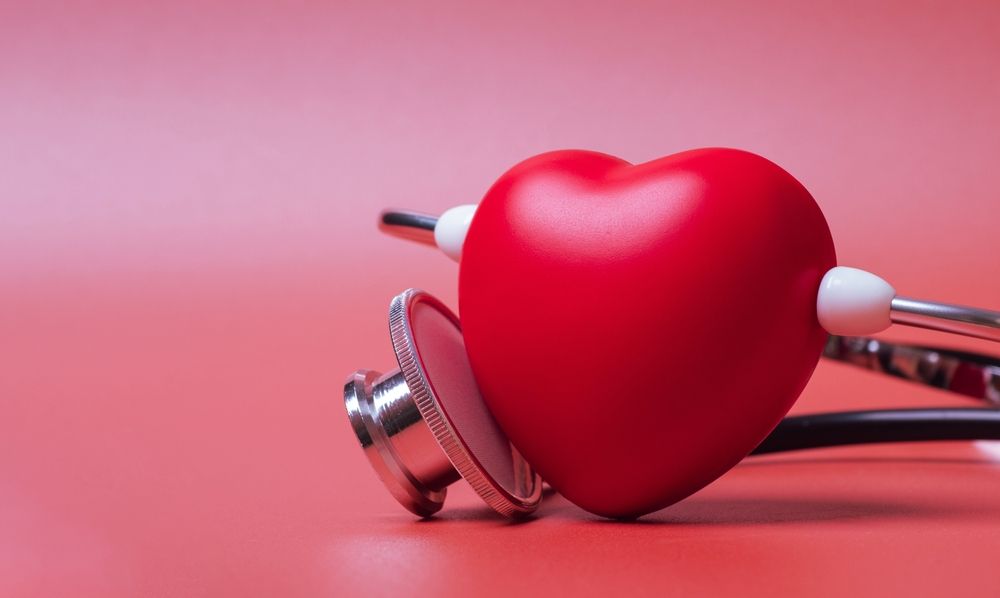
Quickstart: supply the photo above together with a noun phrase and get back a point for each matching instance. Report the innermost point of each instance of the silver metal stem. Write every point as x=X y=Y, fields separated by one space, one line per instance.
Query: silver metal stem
x=968 y=321
x=409 y=225
x=398 y=441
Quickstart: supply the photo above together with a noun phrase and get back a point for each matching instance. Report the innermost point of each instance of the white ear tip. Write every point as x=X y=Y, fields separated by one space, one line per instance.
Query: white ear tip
x=451 y=228
x=852 y=302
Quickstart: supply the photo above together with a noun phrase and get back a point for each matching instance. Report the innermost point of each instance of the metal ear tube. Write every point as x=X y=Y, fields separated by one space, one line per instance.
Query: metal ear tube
x=851 y=301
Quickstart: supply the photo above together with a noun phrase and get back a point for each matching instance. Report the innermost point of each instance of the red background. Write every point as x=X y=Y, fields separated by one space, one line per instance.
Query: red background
x=189 y=268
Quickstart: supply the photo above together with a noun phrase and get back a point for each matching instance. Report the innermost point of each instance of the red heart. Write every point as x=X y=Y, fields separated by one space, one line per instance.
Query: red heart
x=638 y=329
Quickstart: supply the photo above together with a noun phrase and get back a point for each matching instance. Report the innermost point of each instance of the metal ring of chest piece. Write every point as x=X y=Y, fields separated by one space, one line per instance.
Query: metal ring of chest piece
x=425 y=425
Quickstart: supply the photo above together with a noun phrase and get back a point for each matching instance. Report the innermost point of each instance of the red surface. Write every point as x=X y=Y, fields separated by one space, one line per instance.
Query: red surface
x=595 y=296
x=189 y=268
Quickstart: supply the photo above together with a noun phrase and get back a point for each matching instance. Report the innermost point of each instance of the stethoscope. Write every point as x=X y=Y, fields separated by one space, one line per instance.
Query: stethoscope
x=425 y=425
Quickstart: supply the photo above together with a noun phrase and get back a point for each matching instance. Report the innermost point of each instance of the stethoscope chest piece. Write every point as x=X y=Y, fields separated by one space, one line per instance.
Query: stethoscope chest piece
x=420 y=425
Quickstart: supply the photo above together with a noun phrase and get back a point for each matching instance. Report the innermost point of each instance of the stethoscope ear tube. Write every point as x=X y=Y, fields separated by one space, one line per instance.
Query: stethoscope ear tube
x=850 y=302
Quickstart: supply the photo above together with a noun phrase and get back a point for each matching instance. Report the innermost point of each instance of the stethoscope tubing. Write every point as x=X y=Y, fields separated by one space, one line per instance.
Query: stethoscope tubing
x=823 y=430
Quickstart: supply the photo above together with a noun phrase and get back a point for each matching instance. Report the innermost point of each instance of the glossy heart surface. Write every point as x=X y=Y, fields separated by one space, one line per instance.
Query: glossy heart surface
x=637 y=330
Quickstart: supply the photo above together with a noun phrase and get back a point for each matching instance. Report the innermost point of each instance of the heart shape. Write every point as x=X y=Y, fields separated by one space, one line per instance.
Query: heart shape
x=637 y=330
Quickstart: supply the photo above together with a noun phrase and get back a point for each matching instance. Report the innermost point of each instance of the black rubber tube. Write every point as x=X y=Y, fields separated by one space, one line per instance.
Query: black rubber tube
x=410 y=220
x=891 y=425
